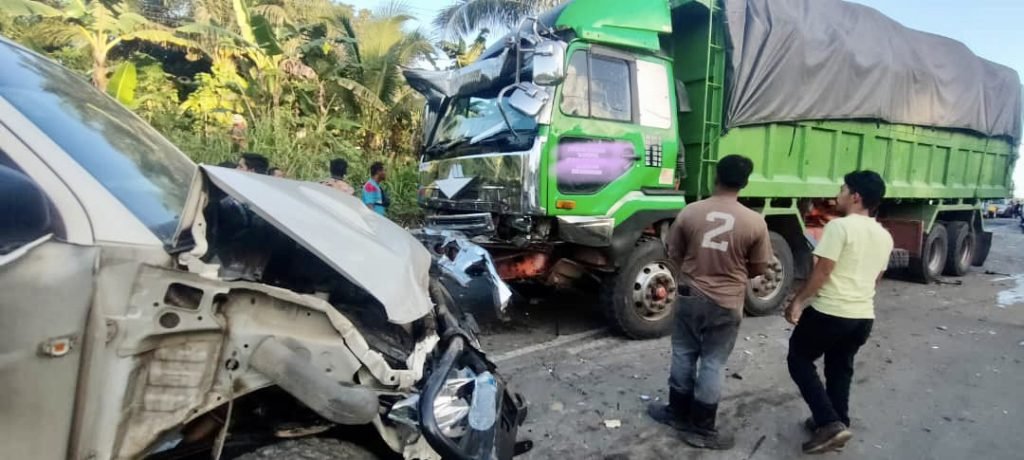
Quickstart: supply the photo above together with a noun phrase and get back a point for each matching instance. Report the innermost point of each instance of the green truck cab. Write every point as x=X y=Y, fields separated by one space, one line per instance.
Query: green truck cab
x=568 y=149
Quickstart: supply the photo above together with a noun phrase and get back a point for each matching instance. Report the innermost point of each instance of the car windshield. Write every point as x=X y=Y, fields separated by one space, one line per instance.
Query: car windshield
x=127 y=156
x=467 y=117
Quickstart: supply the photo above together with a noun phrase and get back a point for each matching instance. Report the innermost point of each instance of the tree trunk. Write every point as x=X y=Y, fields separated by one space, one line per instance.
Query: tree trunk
x=99 y=70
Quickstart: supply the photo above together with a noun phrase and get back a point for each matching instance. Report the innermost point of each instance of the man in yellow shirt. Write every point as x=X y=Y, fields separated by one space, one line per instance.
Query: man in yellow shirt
x=851 y=257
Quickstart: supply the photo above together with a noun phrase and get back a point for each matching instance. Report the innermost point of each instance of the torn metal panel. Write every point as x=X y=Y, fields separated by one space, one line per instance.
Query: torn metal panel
x=481 y=75
x=464 y=262
x=191 y=366
x=367 y=249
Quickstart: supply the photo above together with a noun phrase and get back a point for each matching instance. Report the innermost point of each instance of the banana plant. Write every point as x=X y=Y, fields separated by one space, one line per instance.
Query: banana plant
x=96 y=26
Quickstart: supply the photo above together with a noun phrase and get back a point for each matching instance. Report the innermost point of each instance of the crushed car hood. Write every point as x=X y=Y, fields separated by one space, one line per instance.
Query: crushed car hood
x=367 y=249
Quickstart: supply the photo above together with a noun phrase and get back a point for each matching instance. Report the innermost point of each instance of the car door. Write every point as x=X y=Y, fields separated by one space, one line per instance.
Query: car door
x=46 y=289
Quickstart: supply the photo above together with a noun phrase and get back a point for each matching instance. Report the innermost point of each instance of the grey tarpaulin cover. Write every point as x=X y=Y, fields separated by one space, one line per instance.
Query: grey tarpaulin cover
x=830 y=59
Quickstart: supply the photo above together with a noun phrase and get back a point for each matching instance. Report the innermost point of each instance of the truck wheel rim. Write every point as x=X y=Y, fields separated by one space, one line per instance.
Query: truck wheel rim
x=654 y=291
x=770 y=284
x=935 y=255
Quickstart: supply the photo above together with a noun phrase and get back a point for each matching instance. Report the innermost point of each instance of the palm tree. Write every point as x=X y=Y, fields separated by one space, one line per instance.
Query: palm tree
x=93 y=26
x=465 y=16
x=368 y=71
x=461 y=54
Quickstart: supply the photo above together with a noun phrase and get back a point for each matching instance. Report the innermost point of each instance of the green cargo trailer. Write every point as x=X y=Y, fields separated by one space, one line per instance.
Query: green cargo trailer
x=568 y=149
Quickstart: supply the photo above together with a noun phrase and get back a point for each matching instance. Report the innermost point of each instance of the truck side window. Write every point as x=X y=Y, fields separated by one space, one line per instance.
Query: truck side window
x=653 y=95
x=575 y=99
x=597 y=86
x=610 y=96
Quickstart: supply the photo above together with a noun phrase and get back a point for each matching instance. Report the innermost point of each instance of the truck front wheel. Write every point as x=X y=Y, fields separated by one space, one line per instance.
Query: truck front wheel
x=639 y=299
x=765 y=294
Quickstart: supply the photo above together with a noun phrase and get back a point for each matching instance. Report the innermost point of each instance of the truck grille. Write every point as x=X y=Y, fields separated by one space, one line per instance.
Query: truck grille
x=470 y=224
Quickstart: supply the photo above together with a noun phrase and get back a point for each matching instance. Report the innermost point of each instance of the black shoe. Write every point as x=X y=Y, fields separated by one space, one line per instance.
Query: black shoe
x=827 y=437
x=703 y=432
x=810 y=426
x=664 y=414
x=704 y=439
x=676 y=413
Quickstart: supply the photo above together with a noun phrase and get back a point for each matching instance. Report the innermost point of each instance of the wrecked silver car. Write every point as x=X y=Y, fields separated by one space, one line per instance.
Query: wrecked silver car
x=153 y=308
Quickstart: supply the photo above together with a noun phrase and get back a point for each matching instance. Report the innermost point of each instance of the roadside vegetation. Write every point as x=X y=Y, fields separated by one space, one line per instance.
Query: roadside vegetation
x=314 y=79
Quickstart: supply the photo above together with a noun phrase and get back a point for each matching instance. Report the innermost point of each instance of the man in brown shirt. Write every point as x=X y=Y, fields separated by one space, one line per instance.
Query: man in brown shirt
x=719 y=245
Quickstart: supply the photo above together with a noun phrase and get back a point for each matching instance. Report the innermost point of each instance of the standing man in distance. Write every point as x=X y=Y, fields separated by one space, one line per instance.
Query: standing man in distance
x=339 y=168
x=719 y=245
x=373 y=195
x=851 y=257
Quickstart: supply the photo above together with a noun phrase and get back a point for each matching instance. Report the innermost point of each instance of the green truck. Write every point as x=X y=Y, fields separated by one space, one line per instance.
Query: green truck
x=568 y=149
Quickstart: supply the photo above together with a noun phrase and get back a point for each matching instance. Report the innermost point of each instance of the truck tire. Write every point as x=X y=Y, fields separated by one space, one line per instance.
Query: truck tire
x=928 y=267
x=639 y=299
x=310 y=449
x=961 y=249
x=765 y=295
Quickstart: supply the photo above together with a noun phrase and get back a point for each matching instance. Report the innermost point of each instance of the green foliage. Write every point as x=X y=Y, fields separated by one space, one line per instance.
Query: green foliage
x=122 y=84
x=312 y=81
x=220 y=94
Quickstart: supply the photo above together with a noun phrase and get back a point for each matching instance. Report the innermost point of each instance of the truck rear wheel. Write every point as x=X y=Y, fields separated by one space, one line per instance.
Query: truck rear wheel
x=960 y=250
x=639 y=299
x=929 y=266
x=765 y=294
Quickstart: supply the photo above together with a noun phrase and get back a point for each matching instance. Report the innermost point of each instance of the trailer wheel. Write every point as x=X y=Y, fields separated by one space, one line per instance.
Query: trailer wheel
x=765 y=294
x=310 y=449
x=960 y=250
x=639 y=299
x=929 y=266
x=982 y=246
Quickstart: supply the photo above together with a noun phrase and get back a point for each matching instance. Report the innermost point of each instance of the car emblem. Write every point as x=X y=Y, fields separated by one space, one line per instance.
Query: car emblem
x=454 y=183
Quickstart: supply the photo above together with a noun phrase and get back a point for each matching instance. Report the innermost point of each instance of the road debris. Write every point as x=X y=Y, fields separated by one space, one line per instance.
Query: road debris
x=613 y=423
x=736 y=375
x=645 y=398
x=942 y=328
x=757 y=445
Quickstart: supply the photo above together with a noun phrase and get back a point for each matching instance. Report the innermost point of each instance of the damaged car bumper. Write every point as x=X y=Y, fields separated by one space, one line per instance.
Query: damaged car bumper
x=493 y=415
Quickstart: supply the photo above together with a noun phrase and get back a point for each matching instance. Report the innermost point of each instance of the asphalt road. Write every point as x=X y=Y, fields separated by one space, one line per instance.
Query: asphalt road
x=940 y=378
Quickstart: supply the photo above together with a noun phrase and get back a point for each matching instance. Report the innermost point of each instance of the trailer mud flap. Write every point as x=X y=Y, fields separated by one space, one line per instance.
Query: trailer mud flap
x=983 y=244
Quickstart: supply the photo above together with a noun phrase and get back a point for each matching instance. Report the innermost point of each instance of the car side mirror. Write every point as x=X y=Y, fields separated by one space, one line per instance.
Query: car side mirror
x=25 y=210
x=549 y=63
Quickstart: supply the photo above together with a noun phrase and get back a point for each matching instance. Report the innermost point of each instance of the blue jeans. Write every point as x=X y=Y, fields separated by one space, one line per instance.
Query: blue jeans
x=704 y=336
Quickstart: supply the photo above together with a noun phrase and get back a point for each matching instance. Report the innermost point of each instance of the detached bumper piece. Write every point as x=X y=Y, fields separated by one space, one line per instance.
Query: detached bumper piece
x=494 y=416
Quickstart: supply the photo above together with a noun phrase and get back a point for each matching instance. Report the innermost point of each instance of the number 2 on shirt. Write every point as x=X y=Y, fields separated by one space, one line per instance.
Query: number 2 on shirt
x=728 y=221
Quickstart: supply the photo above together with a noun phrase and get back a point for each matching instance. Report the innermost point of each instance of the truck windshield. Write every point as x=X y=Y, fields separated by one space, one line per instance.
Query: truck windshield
x=128 y=157
x=470 y=116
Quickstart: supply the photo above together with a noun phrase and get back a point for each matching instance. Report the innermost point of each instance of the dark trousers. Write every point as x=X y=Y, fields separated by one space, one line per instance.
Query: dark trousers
x=838 y=339
x=704 y=336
